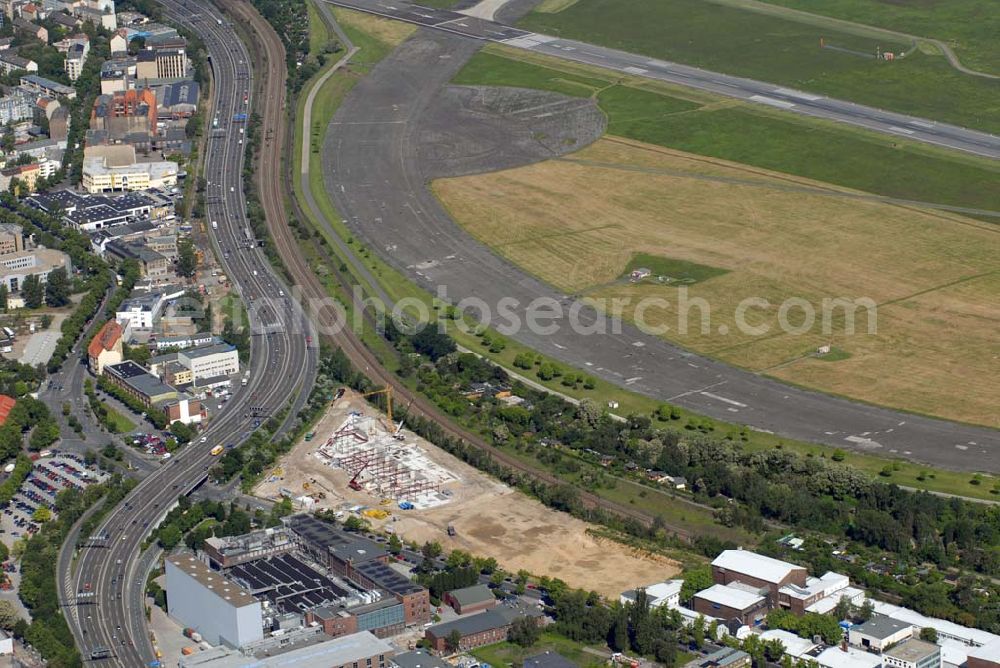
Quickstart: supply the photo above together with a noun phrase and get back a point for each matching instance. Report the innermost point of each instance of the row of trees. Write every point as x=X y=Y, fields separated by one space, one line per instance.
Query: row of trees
x=809 y=493
x=48 y=631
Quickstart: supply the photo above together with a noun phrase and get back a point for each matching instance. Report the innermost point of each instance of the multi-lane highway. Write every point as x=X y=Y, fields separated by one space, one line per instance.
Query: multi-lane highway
x=282 y=369
x=819 y=106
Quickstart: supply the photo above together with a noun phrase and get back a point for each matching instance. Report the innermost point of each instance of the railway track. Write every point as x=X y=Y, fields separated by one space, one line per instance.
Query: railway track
x=273 y=186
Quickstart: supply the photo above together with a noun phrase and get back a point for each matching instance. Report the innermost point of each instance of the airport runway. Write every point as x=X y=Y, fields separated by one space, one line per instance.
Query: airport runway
x=377 y=178
x=802 y=102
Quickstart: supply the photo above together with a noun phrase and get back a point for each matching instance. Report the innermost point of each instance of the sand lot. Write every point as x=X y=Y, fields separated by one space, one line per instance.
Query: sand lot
x=490 y=518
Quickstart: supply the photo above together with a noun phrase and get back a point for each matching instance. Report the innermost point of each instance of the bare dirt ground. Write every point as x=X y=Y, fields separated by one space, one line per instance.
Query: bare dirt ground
x=490 y=518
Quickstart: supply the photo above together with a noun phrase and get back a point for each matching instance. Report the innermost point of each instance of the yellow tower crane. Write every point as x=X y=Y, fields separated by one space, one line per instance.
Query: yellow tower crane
x=387 y=391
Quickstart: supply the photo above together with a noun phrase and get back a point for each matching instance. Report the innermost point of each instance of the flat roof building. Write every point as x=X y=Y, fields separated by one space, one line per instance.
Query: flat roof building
x=657 y=595
x=986 y=656
x=732 y=602
x=879 y=632
x=220 y=610
x=912 y=653
x=362 y=649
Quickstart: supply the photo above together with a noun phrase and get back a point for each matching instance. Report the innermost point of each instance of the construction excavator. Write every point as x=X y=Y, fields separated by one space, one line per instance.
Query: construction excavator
x=354 y=484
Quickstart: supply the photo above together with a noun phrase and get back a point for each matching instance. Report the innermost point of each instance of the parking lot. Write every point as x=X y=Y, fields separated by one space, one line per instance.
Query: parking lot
x=49 y=476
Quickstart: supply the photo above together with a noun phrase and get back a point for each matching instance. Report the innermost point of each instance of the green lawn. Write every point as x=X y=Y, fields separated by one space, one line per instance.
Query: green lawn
x=783 y=51
x=678 y=271
x=970 y=27
x=120 y=423
x=751 y=135
x=504 y=654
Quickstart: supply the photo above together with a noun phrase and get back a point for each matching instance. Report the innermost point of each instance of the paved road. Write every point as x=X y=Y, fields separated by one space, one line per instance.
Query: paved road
x=900 y=125
x=374 y=173
x=282 y=367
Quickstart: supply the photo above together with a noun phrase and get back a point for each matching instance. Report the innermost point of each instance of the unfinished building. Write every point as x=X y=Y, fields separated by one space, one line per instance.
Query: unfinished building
x=385 y=464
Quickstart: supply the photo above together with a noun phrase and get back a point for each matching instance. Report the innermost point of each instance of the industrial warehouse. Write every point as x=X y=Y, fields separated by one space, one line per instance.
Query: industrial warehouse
x=305 y=573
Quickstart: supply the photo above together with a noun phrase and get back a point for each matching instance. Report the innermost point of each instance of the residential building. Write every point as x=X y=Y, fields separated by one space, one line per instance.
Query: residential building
x=40 y=261
x=878 y=633
x=732 y=602
x=117 y=75
x=119 y=42
x=26 y=175
x=106 y=347
x=912 y=653
x=64 y=20
x=11 y=62
x=11 y=238
x=657 y=595
x=758 y=571
x=75 y=59
x=26 y=27
x=220 y=610
x=44 y=86
x=470 y=599
x=17 y=105
x=727 y=657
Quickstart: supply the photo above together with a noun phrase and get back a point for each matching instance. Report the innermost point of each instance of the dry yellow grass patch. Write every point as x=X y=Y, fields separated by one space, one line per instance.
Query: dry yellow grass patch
x=577 y=222
x=389 y=32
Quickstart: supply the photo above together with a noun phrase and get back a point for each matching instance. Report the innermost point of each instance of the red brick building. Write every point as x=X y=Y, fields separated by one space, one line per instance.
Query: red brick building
x=471 y=599
x=757 y=571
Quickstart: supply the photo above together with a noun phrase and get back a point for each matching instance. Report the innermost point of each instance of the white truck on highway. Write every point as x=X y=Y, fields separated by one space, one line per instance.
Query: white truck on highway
x=215 y=225
x=246 y=378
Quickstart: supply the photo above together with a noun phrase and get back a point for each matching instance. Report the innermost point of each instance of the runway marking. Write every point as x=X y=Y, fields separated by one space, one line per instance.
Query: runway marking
x=634 y=70
x=629 y=381
x=724 y=399
x=863 y=442
x=895 y=128
x=799 y=94
x=962 y=447
x=923 y=124
x=763 y=99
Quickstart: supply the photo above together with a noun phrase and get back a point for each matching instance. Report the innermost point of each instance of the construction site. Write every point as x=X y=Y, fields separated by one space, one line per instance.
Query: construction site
x=386 y=461
x=422 y=493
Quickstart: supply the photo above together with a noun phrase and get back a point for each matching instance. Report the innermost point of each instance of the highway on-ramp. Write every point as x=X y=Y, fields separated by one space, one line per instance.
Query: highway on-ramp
x=779 y=97
x=111 y=615
x=376 y=173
